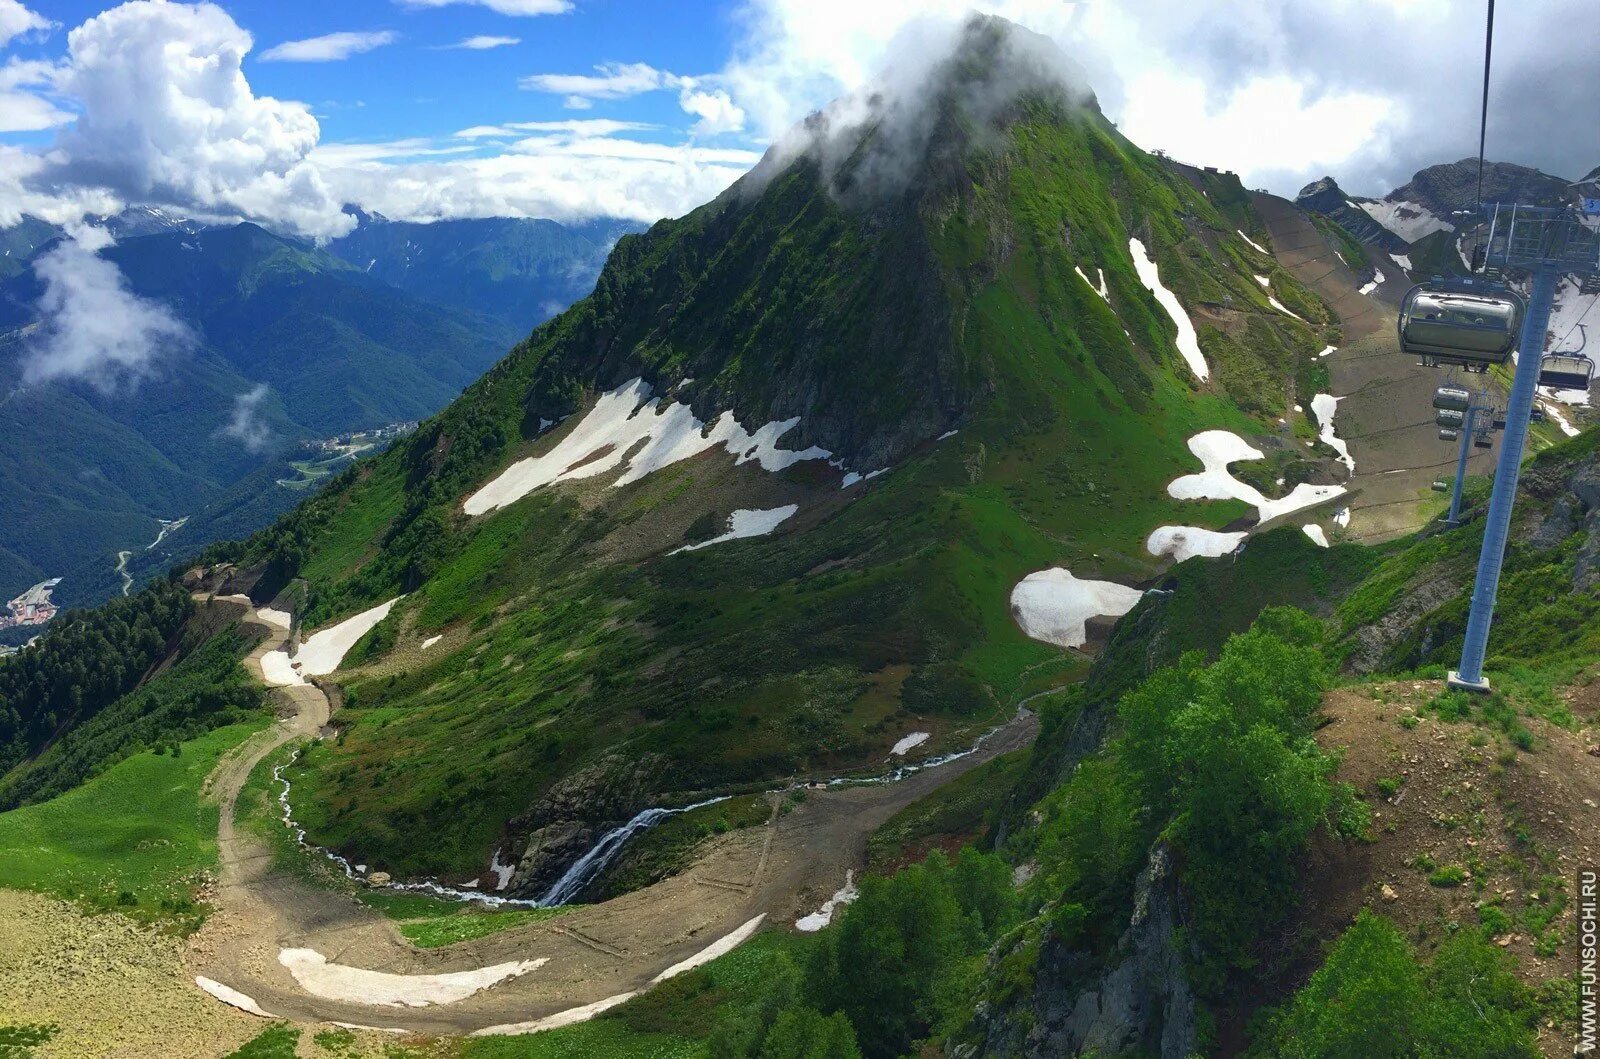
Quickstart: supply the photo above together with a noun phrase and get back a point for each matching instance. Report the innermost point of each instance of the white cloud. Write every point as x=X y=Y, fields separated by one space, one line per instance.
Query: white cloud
x=16 y=20
x=92 y=327
x=502 y=7
x=563 y=181
x=1249 y=81
x=330 y=47
x=717 y=113
x=246 y=424
x=28 y=111
x=333 y=155
x=484 y=42
x=610 y=81
x=574 y=126
x=167 y=117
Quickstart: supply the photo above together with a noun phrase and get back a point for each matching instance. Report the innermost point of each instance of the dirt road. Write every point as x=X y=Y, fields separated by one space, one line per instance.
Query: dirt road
x=1385 y=408
x=783 y=870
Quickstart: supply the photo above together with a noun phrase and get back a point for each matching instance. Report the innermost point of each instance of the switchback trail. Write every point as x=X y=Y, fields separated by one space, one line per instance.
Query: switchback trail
x=782 y=870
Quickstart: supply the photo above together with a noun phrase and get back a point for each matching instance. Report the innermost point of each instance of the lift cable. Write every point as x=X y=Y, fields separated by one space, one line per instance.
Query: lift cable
x=1483 y=120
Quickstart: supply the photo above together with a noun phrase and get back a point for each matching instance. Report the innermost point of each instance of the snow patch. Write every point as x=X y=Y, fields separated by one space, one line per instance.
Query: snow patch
x=1258 y=247
x=1372 y=285
x=1216 y=449
x=430 y=641
x=908 y=742
x=1553 y=411
x=1188 y=341
x=1315 y=532
x=1323 y=406
x=1054 y=606
x=947 y=435
x=746 y=522
x=281 y=618
x=1403 y=260
x=1284 y=309
x=569 y=1017
x=1328 y=351
x=356 y=985
x=1102 y=289
x=1409 y=220
x=501 y=872
x=717 y=948
x=1265 y=281
x=1341 y=518
x=324 y=650
x=824 y=915
x=627 y=429
x=231 y=997
x=1185 y=542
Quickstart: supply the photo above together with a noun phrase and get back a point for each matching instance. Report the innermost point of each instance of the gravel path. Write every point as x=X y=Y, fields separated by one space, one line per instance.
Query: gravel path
x=783 y=871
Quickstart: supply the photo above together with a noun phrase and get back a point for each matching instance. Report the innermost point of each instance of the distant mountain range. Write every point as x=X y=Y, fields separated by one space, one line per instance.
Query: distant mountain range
x=339 y=347
x=1417 y=220
x=521 y=272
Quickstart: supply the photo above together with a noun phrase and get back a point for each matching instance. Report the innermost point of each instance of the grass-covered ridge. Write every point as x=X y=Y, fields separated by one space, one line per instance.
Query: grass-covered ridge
x=952 y=302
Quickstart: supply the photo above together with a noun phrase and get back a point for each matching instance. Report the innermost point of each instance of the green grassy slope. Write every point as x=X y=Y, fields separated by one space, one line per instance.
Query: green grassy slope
x=136 y=838
x=774 y=656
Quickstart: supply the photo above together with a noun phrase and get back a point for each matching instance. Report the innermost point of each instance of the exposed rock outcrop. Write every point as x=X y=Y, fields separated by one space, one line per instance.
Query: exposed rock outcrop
x=1141 y=1005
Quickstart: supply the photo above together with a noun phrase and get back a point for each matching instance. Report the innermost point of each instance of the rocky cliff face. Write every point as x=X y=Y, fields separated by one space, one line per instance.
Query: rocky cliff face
x=1326 y=197
x=1141 y=1004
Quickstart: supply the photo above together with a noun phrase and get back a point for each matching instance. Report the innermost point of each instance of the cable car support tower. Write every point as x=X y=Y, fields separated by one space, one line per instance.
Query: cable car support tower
x=1547 y=243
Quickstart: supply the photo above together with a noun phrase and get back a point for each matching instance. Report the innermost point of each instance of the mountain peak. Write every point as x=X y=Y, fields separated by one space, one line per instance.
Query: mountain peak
x=946 y=88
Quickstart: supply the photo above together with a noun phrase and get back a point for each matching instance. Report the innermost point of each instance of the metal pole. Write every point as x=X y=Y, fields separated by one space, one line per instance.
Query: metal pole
x=1497 y=526
x=1461 y=462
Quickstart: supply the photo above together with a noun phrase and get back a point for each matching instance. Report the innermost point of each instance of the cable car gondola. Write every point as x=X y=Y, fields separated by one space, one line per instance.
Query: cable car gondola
x=1461 y=322
x=1449 y=417
x=1449 y=434
x=1456 y=398
x=1482 y=441
x=1565 y=371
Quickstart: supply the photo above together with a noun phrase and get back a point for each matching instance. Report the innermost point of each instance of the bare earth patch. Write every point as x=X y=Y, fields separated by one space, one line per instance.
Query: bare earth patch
x=112 y=987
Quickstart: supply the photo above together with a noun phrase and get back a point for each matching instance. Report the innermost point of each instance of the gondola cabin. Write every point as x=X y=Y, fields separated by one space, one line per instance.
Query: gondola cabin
x=1456 y=398
x=1449 y=434
x=1566 y=371
x=1474 y=326
x=1449 y=417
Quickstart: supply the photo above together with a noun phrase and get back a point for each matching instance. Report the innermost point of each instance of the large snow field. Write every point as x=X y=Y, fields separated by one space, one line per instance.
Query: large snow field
x=323 y=650
x=746 y=522
x=1054 y=606
x=1409 y=220
x=356 y=985
x=1188 y=341
x=1216 y=449
x=629 y=429
x=1184 y=542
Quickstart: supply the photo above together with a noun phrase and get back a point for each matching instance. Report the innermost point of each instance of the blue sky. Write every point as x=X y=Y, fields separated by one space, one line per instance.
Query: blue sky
x=421 y=86
x=647 y=109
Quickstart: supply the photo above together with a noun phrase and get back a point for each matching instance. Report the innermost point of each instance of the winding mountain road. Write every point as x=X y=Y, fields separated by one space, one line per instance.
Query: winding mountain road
x=591 y=953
